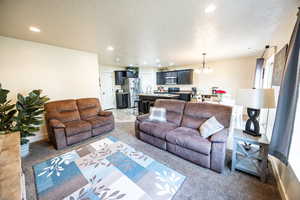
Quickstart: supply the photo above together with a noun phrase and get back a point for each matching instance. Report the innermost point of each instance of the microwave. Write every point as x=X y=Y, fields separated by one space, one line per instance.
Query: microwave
x=171 y=80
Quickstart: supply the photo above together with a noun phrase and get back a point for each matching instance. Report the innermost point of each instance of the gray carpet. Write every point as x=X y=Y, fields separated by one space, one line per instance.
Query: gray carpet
x=201 y=183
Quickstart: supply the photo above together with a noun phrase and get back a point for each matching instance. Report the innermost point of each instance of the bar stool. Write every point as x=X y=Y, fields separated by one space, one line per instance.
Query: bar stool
x=145 y=106
x=136 y=106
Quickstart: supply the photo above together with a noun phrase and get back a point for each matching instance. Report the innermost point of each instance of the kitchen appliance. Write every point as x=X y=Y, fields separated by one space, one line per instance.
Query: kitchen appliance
x=132 y=86
x=171 y=78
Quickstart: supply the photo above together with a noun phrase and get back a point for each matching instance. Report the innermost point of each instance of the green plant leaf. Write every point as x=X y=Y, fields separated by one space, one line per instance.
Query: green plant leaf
x=20 y=98
x=30 y=109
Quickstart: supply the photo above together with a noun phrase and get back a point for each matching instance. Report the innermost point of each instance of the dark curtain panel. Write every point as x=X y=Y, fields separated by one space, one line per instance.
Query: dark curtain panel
x=287 y=102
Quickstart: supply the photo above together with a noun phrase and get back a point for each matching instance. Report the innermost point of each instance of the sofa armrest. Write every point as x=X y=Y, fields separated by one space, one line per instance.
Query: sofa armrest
x=142 y=117
x=220 y=137
x=54 y=123
x=105 y=113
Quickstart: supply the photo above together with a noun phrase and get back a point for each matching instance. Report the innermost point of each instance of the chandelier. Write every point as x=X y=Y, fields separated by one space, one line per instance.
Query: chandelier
x=204 y=69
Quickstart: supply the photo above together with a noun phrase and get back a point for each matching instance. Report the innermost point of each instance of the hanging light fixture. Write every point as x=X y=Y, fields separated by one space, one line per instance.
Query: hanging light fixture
x=204 y=69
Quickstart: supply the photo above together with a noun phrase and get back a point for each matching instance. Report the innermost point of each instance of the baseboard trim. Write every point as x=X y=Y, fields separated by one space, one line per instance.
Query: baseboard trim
x=280 y=185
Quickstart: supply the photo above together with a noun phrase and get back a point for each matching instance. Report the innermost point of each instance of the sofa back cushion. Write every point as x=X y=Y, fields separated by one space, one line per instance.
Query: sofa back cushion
x=195 y=114
x=64 y=111
x=88 y=107
x=174 y=109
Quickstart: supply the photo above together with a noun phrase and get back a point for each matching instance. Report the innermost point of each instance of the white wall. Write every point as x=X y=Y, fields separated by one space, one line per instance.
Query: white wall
x=105 y=70
x=228 y=74
x=61 y=73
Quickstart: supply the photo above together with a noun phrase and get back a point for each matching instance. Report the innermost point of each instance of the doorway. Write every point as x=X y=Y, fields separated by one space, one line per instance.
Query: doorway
x=107 y=90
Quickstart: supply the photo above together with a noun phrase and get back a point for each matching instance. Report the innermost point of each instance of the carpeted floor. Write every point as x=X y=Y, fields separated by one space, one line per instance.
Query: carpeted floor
x=201 y=183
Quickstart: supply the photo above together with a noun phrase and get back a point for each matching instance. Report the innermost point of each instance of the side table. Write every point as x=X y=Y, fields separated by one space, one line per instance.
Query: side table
x=252 y=160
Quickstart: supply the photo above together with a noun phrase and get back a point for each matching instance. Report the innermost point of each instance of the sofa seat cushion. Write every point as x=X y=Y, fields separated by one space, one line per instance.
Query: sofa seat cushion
x=98 y=121
x=189 y=138
x=75 y=127
x=157 y=129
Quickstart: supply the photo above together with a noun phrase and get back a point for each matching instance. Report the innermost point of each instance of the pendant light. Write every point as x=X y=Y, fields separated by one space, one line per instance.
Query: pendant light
x=204 y=68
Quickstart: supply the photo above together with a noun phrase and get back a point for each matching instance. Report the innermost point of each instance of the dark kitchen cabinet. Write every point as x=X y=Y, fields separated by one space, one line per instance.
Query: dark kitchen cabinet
x=122 y=100
x=185 y=77
x=120 y=77
x=160 y=78
x=180 y=77
x=185 y=96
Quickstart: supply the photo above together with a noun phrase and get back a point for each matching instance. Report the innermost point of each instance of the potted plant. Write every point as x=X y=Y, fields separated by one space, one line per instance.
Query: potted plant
x=220 y=94
x=29 y=117
x=7 y=112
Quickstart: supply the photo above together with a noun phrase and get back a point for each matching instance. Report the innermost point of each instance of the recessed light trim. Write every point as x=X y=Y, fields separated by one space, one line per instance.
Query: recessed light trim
x=210 y=8
x=157 y=60
x=110 y=48
x=34 y=29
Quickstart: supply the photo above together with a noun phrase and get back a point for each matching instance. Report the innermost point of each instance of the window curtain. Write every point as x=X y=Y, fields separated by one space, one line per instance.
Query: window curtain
x=287 y=101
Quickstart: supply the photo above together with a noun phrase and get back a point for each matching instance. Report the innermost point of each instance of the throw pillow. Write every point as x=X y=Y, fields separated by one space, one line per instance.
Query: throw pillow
x=210 y=127
x=157 y=114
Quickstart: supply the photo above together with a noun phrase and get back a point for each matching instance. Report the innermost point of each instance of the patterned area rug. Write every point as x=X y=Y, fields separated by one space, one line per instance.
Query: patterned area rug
x=105 y=170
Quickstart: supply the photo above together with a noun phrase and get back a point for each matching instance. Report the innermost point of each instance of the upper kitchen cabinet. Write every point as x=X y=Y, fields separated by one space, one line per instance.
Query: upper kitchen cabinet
x=180 y=77
x=160 y=78
x=120 y=76
x=185 y=77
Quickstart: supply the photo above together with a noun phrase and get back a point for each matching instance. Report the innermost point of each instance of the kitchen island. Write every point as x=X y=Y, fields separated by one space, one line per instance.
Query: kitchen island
x=147 y=100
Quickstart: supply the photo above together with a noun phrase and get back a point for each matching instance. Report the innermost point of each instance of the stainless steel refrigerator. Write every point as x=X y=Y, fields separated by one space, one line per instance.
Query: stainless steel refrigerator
x=132 y=86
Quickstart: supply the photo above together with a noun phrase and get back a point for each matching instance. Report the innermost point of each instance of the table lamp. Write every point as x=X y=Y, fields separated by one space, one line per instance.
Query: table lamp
x=254 y=100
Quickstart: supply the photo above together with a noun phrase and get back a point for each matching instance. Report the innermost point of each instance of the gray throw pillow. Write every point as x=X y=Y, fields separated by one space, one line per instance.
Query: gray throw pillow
x=157 y=114
x=210 y=127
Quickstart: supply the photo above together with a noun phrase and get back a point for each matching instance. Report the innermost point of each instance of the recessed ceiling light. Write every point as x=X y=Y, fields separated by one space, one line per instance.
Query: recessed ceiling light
x=117 y=60
x=130 y=65
x=110 y=48
x=210 y=8
x=157 y=60
x=34 y=29
x=145 y=63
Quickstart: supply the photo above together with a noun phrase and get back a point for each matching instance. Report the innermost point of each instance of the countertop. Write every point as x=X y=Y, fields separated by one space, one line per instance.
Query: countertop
x=180 y=92
x=160 y=95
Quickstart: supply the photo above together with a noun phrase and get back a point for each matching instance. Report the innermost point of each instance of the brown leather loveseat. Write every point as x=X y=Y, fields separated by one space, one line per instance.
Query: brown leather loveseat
x=180 y=134
x=71 y=121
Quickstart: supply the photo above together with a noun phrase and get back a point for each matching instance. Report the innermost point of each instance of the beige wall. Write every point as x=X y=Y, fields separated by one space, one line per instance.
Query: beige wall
x=61 y=73
x=229 y=74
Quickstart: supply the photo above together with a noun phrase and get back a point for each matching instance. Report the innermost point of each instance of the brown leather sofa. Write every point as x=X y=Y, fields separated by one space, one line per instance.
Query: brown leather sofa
x=71 y=121
x=180 y=134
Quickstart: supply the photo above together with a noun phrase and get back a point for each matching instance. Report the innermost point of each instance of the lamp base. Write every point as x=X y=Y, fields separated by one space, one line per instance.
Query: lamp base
x=252 y=124
x=252 y=133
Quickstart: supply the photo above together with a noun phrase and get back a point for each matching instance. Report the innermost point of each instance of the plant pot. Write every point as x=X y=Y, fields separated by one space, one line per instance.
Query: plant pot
x=25 y=150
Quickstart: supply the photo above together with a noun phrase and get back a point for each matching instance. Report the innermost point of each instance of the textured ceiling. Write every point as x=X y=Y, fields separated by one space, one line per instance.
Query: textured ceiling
x=145 y=30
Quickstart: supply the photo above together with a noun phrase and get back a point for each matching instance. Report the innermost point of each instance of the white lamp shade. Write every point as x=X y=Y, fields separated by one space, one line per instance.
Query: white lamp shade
x=256 y=98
